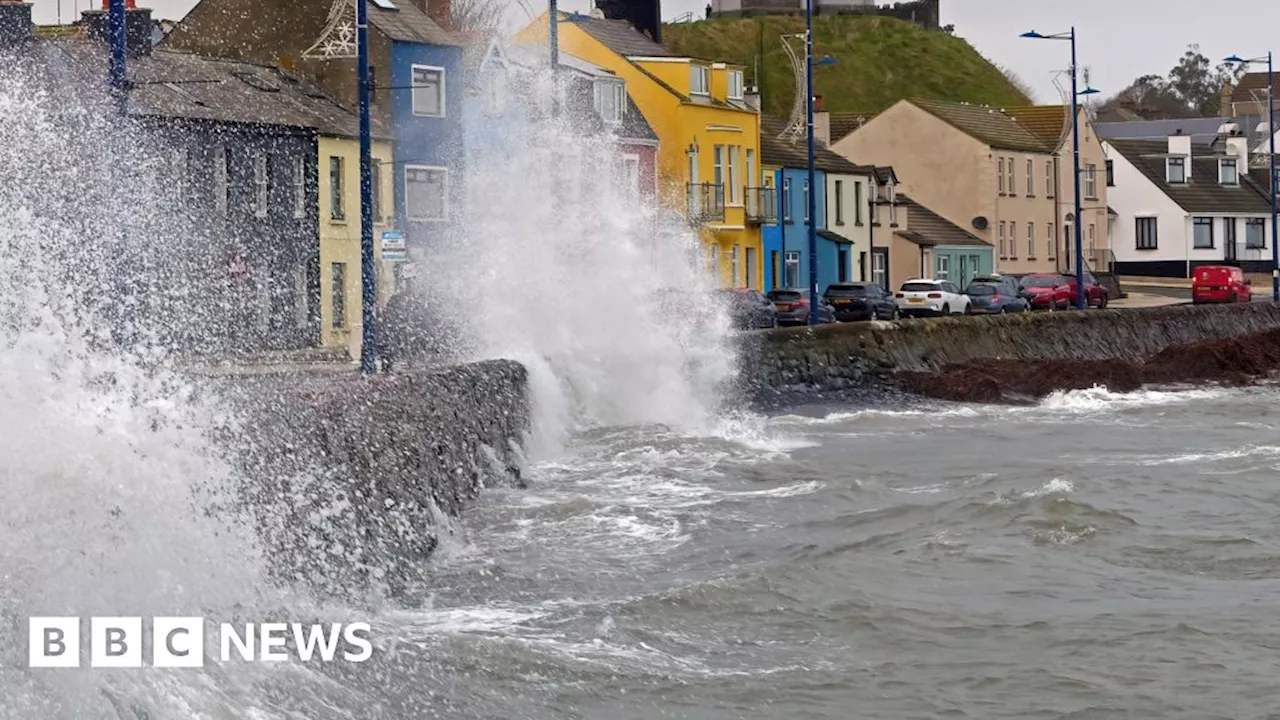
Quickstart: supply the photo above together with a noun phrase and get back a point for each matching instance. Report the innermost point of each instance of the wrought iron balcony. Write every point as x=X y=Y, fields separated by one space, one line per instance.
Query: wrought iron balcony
x=706 y=202
x=762 y=205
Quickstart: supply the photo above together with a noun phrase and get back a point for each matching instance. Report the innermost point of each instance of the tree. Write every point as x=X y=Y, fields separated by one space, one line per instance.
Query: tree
x=479 y=17
x=1193 y=88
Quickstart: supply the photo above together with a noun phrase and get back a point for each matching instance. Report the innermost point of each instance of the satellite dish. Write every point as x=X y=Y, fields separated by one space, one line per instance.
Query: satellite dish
x=980 y=223
x=1071 y=217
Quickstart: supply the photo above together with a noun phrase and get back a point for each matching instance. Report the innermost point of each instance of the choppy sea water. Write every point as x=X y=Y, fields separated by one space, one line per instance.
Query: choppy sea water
x=1095 y=556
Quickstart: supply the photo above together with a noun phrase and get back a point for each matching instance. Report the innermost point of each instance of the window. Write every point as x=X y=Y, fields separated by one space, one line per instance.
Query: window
x=1031 y=240
x=735 y=84
x=879 y=269
x=1051 y=240
x=1050 y=182
x=1093 y=249
x=1228 y=172
x=631 y=177
x=428 y=91
x=786 y=199
x=1111 y=173
x=713 y=260
x=337 y=188
x=1031 y=178
x=299 y=187
x=425 y=196
x=806 y=200
x=1176 y=169
x=839 y=202
x=1009 y=182
x=1255 y=233
x=261 y=185
x=1145 y=232
x=734 y=266
x=699 y=80
x=735 y=176
x=610 y=99
x=857 y=202
x=1013 y=240
x=1203 y=238
x=752 y=178
x=792 y=273
x=942 y=267
x=893 y=204
x=179 y=161
x=751 y=268
x=220 y=180
x=338 y=288
x=1003 y=254
x=375 y=189
x=1000 y=174
x=1091 y=182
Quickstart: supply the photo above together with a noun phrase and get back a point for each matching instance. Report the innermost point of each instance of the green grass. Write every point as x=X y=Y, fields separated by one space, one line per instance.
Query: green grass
x=882 y=60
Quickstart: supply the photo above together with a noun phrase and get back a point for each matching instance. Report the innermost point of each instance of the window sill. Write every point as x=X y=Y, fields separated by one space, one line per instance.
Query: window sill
x=429 y=115
x=338 y=221
x=1031 y=259
x=1146 y=249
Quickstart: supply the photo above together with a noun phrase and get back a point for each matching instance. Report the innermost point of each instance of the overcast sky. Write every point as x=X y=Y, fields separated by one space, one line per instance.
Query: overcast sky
x=1119 y=40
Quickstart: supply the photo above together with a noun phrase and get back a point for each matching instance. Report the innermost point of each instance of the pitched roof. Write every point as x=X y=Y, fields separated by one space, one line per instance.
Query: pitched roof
x=175 y=84
x=844 y=123
x=833 y=236
x=408 y=23
x=1252 y=87
x=1203 y=194
x=1050 y=123
x=619 y=36
x=1201 y=130
x=930 y=228
x=986 y=124
x=784 y=153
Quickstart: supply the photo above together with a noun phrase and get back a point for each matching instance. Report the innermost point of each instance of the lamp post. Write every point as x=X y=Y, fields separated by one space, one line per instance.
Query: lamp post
x=812 y=224
x=1082 y=301
x=1271 y=134
x=368 y=284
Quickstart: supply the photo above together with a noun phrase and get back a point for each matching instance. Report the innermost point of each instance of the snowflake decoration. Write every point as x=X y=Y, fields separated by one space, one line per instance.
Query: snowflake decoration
x=339 y=37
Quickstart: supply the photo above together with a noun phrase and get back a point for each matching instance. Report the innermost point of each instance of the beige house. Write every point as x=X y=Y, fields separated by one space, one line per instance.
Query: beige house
x=999 y=178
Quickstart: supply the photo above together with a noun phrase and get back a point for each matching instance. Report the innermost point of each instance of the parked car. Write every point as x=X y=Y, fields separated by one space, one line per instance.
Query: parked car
x=1095 y=293
x=1220 y=284
x=861 y=301
x=931 y=297
x=1047 y=291
x=748 y=308
x=793 y=307
x=996 y=295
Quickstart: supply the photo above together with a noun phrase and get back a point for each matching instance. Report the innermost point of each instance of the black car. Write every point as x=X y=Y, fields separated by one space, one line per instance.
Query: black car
x=861 y=301
x=996 y=295
x=793 y=307
x=748 y=309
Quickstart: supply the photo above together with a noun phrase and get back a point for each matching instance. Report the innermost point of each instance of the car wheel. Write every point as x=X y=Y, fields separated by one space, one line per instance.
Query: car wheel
x=946 y=309
x=896 y=315
x=1102 y=304
x=1004 y=309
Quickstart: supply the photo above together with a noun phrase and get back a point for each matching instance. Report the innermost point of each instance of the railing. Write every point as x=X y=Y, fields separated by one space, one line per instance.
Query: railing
x=706 y=202
x=762 y=205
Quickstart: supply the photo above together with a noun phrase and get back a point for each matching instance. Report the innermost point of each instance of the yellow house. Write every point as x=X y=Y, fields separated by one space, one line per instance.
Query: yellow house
x=341 y=305
x=708 y=132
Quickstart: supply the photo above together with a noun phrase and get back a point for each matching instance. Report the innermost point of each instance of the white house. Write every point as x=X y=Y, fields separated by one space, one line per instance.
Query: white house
x=1178 y=205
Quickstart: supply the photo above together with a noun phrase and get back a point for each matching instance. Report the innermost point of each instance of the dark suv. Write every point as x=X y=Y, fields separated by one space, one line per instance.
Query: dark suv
x=996 y=295
x=861 y=301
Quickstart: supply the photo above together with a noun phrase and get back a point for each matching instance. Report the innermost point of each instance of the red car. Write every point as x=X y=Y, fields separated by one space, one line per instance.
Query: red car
x=1220 y=284
x=1047 y=291
x=1095 y=294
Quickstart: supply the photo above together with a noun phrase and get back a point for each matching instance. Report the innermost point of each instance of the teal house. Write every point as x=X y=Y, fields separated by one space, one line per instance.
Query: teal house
x=927 y=245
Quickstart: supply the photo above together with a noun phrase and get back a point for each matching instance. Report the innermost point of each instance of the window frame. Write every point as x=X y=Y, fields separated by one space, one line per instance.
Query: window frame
x=1031 y=174
x=1146 y=240
x=839 y=192
x=1261 y=224
x=261 y=184
x=414 y=88
x=703 y=74
x=444 y=193
x=1000 y=175
x=1204 y=221
x=740 y=85
x=1179 y=162
x=1223 y=164
x=1031 y=240
x=1003 y=254
x=1090 y=182
x=337 y=189
x=338 y=295
x=299 y=187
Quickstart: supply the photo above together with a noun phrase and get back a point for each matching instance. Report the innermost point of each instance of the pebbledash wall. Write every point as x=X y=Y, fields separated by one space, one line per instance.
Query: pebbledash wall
x=846 y=356
x=349 y=479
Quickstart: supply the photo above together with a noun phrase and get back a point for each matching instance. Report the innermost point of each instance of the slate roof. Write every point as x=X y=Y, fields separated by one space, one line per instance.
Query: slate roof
x=925 y=227
x=784 y=153
x=1050 y=123
x=1252 y=86
x=408 y=23
x=986 y=124
x=1203 y=194
x=842 y=124
x=1201 y=130
x=174 y=84
x=833 y=236
x=619 y=36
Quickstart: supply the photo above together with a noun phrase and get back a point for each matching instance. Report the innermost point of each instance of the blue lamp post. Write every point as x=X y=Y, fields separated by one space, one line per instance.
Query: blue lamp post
x=814 y=315
x=1076 y=93
x=1271 y=134
x=368 y=284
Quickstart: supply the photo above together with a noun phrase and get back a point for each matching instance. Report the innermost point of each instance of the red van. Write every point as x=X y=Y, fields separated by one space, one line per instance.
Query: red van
x=1220 y=284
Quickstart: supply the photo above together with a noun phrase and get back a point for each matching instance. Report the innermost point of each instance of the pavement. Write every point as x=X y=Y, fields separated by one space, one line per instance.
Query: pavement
x=1149 y=297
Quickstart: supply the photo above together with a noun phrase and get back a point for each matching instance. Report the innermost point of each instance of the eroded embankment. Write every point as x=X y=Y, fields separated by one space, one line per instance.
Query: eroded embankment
x=988 y=358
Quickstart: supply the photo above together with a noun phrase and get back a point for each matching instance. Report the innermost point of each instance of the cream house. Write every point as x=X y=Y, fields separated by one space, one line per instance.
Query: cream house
x=988 y=172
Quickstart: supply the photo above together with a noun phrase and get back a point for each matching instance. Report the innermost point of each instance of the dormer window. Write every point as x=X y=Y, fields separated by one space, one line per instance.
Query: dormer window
x=610 y=98
x=1176 y=169
x=735 y=85
x=699 y=80
x=1228 y=172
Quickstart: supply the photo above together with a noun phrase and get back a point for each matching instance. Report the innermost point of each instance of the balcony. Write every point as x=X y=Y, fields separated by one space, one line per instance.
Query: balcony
x=762 y=205
x=706 y=203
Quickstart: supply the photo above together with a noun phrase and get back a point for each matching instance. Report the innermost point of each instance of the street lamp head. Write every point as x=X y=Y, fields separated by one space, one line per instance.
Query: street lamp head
x=1033 y=35
x=1089 y=91
x=1234 y=59
x=826 y=60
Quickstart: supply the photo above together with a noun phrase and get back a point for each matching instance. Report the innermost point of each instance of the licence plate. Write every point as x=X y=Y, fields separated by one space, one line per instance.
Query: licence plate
x=784 y=307
x=915 y=300
x=843 y=302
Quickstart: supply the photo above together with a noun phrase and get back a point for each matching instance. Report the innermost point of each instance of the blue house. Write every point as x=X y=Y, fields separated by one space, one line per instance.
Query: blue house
x=786 y=237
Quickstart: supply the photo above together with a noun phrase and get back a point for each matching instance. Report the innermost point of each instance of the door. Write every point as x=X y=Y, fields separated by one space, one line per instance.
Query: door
x=775 y=271
x=963 y=278
x=842 y=268
x=751 y=268
x=880 y=267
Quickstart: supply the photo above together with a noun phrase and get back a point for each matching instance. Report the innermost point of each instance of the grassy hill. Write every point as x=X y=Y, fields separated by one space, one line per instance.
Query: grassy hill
x=882 y=60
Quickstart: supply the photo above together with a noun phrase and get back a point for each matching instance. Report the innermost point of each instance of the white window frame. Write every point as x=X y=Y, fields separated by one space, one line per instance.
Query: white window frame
x=699 y=79
x=1000 y=175
x=1091 y=182
x=790 y=260
x=299 y=187
x=735 y=193
x=415 y=88
x=444 y=201
x=1031 y=241
x=181 y=163
x=338 y=190
x=717 y=165
x=879 y=273
x=261 y=184
x=806 y=200
x=1013 y=240
x=1052 y=239
x=606 y=92
x=735 y=265
x=1003 y=247
x=1050 y=183
x=1223 y=166
x=631 y=176
x=735 y=85
x=1012 y=179
x=786 y=199
x=942 y=267
x=1179 y=162
x=1031 y=177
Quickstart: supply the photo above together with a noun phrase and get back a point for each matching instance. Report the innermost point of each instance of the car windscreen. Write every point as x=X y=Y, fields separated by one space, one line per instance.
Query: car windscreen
x=847 y=291
x=981 y=289
x=920 y=287
x=1032 y=281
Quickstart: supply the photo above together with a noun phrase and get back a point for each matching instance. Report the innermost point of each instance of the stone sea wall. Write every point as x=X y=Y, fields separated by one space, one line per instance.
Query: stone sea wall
x=846 y=356
x=348 y=478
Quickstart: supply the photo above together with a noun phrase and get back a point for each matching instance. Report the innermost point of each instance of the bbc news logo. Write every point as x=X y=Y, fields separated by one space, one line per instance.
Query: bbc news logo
x=179 y=642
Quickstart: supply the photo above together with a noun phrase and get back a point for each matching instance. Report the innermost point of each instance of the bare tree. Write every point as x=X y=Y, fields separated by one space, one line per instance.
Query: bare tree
x=478 y=17
x=1019 y=84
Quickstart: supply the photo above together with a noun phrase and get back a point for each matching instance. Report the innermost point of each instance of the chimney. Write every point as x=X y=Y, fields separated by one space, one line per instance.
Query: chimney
x=644 y=15
x=1225 y=106
x=752 y=98
x=822 y=128
x=15 y=22
x=438 y=10
x=137 y=23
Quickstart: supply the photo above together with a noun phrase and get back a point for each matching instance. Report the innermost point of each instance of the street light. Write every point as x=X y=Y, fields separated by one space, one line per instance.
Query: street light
x=813 y=189
x=1271 y=134
x=1076 y=93
x=368 y=285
